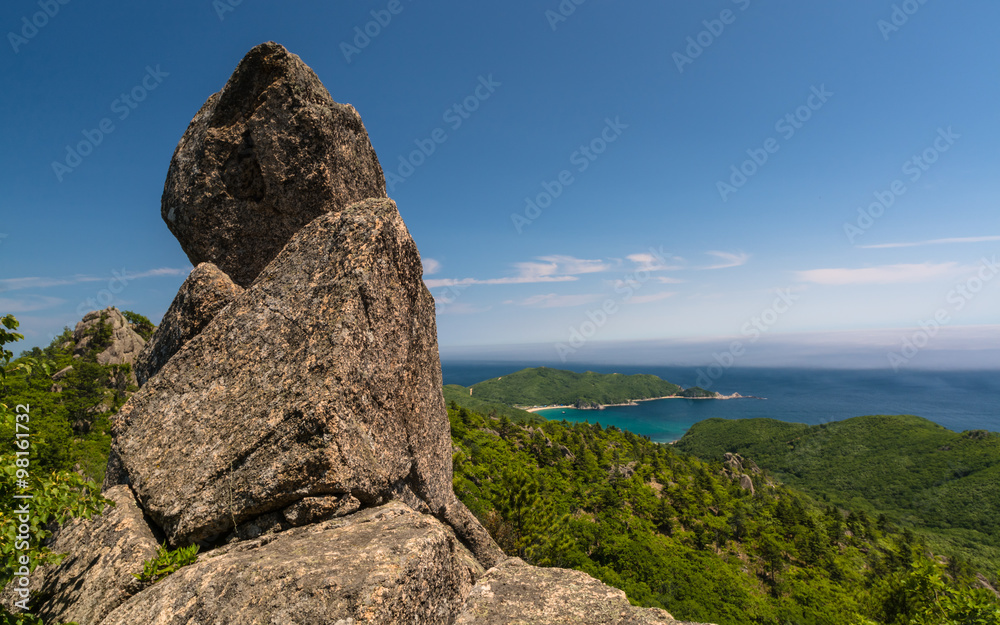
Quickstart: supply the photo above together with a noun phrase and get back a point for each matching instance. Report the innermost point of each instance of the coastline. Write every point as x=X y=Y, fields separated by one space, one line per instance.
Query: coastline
x=631 y=402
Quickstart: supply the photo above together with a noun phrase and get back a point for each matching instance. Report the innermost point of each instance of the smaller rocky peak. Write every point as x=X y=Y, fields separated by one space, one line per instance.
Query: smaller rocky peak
x=109 y=336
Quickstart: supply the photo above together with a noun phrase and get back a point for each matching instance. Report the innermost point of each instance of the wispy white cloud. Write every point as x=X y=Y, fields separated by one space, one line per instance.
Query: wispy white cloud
x=570 y=265
x=29 y=303
x=653 y=262
x=438 y=282
x=651 y=297
x=984 y=239
x=156 y=273
x=460 y=308
x=431 y=266
x=16 y=284
x=543 y=269
x=667 y=280
x=728 y=259
x=884 y=274
x=552 y=300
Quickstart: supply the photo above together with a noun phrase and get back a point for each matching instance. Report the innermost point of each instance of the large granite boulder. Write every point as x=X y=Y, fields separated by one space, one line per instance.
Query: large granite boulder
x=515 y=593
x=205 y=292
x=321 y=378
x=382 y=565
x=261 y=159
x=97 y=575
x=291 y=419
x=110 y=334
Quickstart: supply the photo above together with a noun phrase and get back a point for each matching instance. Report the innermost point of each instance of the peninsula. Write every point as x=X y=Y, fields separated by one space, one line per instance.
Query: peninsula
x=538 y=388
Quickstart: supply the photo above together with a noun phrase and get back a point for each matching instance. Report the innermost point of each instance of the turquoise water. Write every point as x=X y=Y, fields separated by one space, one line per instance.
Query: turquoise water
x=958 y=400
x=663 y=421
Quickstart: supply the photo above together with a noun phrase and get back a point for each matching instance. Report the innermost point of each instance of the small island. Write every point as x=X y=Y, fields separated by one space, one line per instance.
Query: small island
x=541 y=388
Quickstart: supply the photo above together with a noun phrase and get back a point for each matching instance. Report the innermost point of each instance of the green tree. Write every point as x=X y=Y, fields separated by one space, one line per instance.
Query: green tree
x=56 y=496
x=140 y=324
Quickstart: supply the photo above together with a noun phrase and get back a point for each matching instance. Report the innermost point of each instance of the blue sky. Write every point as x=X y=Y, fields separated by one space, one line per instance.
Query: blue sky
x=626 y=124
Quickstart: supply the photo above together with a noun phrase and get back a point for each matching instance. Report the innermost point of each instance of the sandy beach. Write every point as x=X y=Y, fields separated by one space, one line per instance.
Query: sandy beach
x=634 y=402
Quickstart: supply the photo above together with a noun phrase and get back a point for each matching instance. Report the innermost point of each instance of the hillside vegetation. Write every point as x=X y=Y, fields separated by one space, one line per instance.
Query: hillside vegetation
x=73 y=401
x=56 y=494
x=942 y=483
x=675 y=532
x=460 y=394
x=542 y=386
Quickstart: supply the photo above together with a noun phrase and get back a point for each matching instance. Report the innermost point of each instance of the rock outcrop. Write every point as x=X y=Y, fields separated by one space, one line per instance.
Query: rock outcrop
x=205 y=292
x=515 y=592
x=291 y=420
x=736 y=468
x=382 y=565
x=330 y=362
x=262 y=158
x=97 y=575
x=110 y=334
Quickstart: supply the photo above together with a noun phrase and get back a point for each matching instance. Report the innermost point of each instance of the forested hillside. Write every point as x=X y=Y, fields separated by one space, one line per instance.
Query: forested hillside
x=72 y=398
x=542 y=386
x=460 y=394
x=679 y=533
x=941 y=483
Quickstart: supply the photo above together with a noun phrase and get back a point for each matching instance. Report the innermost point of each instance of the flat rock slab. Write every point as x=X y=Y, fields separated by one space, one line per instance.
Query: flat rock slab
x=322 y=378
x=516 y=593
x=382 y=565
x=205 y=292
x=262 y=158
x=96 y=577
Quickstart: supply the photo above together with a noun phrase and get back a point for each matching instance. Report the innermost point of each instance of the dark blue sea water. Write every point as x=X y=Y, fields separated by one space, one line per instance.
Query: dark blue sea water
x=958 y=400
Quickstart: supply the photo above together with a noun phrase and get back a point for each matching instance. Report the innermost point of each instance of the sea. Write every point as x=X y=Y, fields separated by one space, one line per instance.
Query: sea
x=957 y=400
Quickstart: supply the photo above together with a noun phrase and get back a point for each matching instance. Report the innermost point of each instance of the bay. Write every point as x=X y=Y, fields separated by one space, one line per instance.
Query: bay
x=957 y=400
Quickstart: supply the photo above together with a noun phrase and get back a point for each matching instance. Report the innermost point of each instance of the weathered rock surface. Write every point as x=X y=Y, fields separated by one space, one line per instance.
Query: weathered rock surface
x=736 y=468
x=738 y=464
x=262 y=158
x=122 y=347
x=382 y=565
x=96 y=576
x=515 y=593
x=205 y=292
x=322 y=378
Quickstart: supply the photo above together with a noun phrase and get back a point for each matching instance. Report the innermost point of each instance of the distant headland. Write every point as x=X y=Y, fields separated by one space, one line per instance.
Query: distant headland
x=541 y=388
